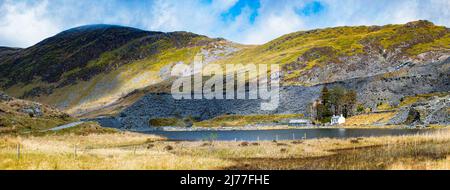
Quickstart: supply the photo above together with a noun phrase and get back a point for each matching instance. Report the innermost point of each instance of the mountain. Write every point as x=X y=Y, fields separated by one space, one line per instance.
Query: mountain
x=90 y=66
x=334 y=54
x=114 y=70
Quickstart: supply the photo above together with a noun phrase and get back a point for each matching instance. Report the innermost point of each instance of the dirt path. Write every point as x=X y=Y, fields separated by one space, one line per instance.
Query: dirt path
x=69 y=125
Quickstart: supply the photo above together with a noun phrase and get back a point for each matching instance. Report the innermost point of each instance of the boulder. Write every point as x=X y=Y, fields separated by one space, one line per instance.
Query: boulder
x=432 y=111
x=33 y=110
x=4 y=97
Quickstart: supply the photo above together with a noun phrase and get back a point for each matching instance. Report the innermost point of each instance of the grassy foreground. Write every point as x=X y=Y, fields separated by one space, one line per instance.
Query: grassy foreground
x=123 y=150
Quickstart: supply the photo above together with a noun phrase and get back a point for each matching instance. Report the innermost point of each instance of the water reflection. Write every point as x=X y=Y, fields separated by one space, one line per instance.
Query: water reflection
x=288 y=134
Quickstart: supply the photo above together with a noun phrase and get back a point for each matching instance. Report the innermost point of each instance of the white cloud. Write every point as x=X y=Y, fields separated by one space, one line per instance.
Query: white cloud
x=273 y=26
x=380 y=12
x=273 y=21
x=22 y=24
x=437 y=11
x=192 y=16
x=223 y=5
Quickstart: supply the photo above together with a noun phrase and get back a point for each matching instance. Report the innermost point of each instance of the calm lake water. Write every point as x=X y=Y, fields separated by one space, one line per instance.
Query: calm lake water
x=282 y=134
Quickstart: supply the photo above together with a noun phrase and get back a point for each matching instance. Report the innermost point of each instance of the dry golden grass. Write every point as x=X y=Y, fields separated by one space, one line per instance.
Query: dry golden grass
x=384 y=107
x=370 y=119
x=97 y=151
x=411 y=164
x=408 y=100
x=242 y=120
x=139 y=151
x=428 y=151
x=14 y=118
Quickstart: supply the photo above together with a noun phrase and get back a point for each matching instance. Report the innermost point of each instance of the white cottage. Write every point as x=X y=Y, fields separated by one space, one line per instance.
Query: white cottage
x=337 y=120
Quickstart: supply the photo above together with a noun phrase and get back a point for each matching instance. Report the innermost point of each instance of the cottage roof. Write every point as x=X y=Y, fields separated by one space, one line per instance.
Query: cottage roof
x=298 y=121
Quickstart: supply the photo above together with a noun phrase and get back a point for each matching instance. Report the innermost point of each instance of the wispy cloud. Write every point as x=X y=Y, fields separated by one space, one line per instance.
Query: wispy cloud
x=24 y=23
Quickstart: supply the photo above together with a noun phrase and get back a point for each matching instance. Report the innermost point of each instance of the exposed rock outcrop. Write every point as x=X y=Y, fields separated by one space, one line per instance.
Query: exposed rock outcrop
x=164 y=105
x=33 y=110
x=18 y=115
x=4 y=97
x=434 y=111
x=98 y=68
x=426 y=78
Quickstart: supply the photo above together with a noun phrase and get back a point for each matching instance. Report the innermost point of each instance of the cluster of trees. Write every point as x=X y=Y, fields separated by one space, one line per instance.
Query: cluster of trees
x=335 y=101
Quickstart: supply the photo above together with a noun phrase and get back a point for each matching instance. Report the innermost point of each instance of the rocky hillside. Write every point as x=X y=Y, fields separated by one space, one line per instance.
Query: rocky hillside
x=383 y=64
x=372 y=91
x=430 y=110
x=18 y=116
x=333 y=54
x=112 y=70
x=88 y=67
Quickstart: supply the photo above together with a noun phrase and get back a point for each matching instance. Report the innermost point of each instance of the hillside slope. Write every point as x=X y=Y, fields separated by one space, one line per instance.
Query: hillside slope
x=88 y=67
x=383 y=64
x=19 y=116
x=333 y=54
x=106 y=70
x=371 y=92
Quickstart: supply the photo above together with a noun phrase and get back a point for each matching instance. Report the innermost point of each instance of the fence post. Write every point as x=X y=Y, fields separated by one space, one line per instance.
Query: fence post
x=293 y=136
x=18 y=151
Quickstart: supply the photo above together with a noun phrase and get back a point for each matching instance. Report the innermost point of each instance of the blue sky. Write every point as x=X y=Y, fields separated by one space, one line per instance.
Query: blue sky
x=26 y=22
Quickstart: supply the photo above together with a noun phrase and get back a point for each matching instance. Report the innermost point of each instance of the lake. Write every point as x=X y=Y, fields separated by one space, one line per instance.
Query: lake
x=282 y=134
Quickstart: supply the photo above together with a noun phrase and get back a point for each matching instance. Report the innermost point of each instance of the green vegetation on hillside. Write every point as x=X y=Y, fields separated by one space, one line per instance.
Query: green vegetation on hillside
x=21 y=116
x=408 y=100
x=242 y=120
x=134 y=65
x=171 y=122
x=87 y=128
x=335 y=101
x=82 y=71
x=436 y=45
x=171 y=46
x=301 y=51
x=345 y=41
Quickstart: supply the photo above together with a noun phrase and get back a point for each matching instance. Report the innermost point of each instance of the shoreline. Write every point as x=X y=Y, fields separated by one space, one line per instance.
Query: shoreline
x=138 y=151
x=278 y=127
